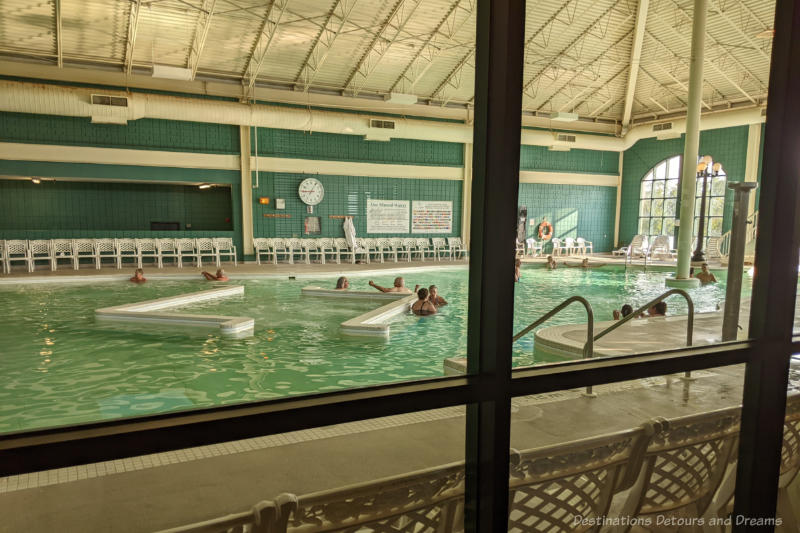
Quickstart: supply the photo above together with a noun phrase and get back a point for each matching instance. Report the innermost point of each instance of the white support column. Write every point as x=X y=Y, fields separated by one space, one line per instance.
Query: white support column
x=466 y=196
x=751 y=163
x=690 y=150
x=247 y=190
x=636 y=54
x=619 y=201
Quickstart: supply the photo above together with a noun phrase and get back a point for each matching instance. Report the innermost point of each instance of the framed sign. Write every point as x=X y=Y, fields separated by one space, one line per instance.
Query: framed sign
x=432 y=217
x=387 y=216
x=312 y=226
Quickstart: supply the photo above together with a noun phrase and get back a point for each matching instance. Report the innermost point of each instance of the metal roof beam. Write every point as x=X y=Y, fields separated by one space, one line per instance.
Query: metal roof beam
x=453 y=80
x=388 y=34
x=130 y=43
x=423 y=59
x=269 y=27
x=200 y=34
x=589 y=88
x=636 y=56
x=324 y=42
x=736 y=28
x=59 y=46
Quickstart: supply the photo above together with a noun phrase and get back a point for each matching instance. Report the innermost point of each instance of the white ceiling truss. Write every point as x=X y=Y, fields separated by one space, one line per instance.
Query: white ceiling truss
x=610 y=61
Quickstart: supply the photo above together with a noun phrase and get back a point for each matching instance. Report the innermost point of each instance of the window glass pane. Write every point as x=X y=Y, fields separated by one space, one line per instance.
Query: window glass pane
x=669 y=207
x=644 y=208
x=658 y=189
x=672 y=189
x=657 y=208
x=360 y=473
x=717 y=206
x=655 y=226
x=669 y=226
x=715 y=226
x=674 y=164
x=718 y=186
x=575 y=465
x=661 y=171
x=644 y=226
x=647 y=188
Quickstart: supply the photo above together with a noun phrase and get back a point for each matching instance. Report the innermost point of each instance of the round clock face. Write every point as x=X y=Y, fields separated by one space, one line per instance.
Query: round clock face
x=311 y=191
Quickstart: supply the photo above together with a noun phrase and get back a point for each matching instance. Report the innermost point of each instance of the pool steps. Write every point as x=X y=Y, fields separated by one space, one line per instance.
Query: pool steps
x=148 y=312
x=372 y=323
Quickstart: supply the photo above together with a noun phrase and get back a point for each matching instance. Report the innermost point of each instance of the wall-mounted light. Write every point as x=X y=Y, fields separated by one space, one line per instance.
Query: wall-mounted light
x=264 y=200
x=204 y=186
x=37 y=181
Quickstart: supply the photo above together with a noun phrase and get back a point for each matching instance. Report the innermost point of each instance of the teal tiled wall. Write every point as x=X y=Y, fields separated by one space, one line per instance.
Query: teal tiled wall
x=589 y=161
x=144 y=134
x=344 y=195
x=727 y=145
x=333 y=147
x=574 y=210
x=85 y=209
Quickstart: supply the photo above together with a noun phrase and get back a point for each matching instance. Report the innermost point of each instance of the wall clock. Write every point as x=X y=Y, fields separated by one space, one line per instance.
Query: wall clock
x=311 y=191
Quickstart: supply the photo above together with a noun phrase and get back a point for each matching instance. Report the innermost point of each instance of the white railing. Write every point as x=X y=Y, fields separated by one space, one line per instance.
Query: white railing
x=752 y=231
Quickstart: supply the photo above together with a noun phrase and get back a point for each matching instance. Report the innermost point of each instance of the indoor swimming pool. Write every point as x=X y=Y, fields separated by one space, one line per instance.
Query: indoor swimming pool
x=60 y=366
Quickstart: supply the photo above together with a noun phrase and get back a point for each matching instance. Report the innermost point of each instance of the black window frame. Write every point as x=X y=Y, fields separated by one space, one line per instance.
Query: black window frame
x=489 y=388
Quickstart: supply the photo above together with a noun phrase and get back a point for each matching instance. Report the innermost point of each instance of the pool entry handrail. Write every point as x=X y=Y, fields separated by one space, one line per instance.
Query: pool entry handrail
x=557 y=309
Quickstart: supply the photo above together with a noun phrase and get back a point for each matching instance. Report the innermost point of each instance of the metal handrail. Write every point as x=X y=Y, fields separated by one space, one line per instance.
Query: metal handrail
x=557 y=309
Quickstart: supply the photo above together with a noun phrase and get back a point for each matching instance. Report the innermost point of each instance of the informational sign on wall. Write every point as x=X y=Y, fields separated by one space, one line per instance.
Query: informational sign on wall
x=387 y=216
x=432 y=217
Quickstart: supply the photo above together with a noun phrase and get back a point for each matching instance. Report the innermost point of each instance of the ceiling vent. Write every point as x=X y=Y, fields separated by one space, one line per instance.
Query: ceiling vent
x=663 y=126
x=564 y=117
x=558 y=148
x=382 y=124
x=108 y=100
x=566 y=138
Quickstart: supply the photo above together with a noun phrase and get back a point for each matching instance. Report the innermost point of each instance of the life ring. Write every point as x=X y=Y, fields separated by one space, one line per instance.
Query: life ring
x=549 y=227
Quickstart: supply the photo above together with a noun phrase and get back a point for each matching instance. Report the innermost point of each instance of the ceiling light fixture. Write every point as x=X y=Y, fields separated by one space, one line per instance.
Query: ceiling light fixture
x=400 y=98
x=172 y=73
x=37 y=181
x=769 y=33
x=204 y=186
x=560 y=116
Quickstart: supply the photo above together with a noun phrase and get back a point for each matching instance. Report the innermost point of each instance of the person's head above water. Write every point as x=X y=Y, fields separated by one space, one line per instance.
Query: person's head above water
x=399 y=282
x=220 y=272
x=342 y=283
x=585 y=262
x=660 y=308
x=549 y=258
x=704 y=267
x=433 y=290
x=422 y=293
x=138 y=273
x=626 y=310
x=518 y=262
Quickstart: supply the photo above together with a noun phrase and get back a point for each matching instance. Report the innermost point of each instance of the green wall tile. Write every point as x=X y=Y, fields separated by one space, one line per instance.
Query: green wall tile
x=576 y=160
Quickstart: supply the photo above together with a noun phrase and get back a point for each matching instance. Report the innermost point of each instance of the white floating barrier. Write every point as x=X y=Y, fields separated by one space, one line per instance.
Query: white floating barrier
x=143 y=312
x=355 y=295
x=375 y=322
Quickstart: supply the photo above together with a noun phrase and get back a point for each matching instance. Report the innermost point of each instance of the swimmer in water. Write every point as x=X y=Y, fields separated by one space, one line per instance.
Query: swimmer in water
x=705 y=276
x=660 y=309
x=434 y=298
x=517 y=267
x=219 y=276
x=551 y=263
x=342 y=284
x=138 y=276
x=423 y=306
x=399 y=286
x=624 y=311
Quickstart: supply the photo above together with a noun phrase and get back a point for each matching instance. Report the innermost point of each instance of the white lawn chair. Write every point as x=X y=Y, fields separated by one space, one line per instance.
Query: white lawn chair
x=424 y=246
x=558 y=246
x=125 y=248
x=328 y=250
x=636 y=242
x=311 y=249
x=683 y=466
x=296 y=248
x=457 y=250
x=85 y=249
x=147 y=248
x=363 y=250
x=62 y=249
x=584 y=246
x=659 y=248
x=263 y=247
x=343 y=250
x=187 y=249
x=410 y=246
x=106 y=249
x=224 y=247
x=17 y=252
x=282 y=247
x=569 y=245
x=440 y=248
x=205 y=248
x=41 y=250
x=388 y=248
x=167 y=250
x=373 y=249
x=534 y=247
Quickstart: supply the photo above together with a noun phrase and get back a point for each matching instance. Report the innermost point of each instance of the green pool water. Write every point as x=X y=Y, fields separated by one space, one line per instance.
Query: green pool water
x=60 y=367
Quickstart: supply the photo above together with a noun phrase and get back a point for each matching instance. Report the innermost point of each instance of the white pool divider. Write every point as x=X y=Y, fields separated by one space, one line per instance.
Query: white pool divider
x=372 y=323
x=143 y=312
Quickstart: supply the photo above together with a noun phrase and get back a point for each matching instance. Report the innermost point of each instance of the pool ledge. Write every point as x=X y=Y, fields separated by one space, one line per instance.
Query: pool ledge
x=375 y=322
x=147 y=312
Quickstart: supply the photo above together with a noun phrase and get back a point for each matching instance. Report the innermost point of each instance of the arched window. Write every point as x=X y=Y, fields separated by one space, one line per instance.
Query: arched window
x=658 y=201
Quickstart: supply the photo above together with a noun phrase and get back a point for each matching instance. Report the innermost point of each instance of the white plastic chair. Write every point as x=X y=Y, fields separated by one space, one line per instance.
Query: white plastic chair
x=224 y=247
x=362 y=249
x=296 y=248
x=388 y=248
x=439 y=248
x=187 y=250
x=328 y=250
x=126 y=248
x=167 y=250
x=569 y=245
x=659 y=247
x=457 y=250
x=535 y=248
x=373 y=249
x=17 y=252
x=41 y=250
x=263 y=247
x=147 y=248
x=410 y=246
x=424 y=246
x=311 y=249
x=584 y=246
x=205 y=248
x=558 y=247
x=105 y=250
x=282 y=247
x=343 y=250
x=62 y=249
x=84 y=249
